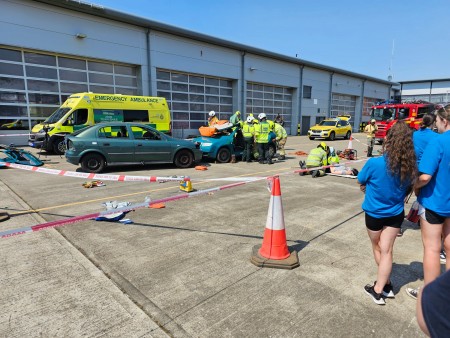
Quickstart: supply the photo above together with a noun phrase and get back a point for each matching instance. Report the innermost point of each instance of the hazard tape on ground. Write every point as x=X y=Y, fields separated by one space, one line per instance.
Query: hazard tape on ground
x=146 y=204
x=91 y=176
x=4 y=135
x=120 y=178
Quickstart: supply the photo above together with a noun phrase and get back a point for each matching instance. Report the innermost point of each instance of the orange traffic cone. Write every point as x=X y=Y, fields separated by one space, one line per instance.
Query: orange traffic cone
x=274 y=252
x=350 y=143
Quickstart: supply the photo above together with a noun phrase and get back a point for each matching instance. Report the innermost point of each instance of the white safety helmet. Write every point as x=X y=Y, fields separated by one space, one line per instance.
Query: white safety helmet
x=262 y=116
x=212 y=113
x=250 y=119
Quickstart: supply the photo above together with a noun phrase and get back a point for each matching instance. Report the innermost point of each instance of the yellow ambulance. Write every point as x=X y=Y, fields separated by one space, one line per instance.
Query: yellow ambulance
x=85 y=109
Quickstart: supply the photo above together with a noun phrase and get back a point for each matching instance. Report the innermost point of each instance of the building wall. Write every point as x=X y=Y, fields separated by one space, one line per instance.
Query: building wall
x=35 y=26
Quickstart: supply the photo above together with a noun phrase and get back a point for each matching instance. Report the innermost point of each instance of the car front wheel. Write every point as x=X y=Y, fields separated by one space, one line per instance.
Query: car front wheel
x=93 y=163
x=224 y=155
x=184 y=159
x=332 y=136
x=347 y=136
x=311 y=138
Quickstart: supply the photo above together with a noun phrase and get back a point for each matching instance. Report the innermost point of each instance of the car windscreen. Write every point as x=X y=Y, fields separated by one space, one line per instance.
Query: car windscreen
x=57 y=115
x=327 y=123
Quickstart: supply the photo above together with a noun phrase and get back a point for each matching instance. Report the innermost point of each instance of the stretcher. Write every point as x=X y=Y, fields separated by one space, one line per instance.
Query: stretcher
x=346 y=176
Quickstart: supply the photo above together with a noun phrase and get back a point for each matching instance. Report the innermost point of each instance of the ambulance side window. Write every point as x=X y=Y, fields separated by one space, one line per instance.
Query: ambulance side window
x=78 y=117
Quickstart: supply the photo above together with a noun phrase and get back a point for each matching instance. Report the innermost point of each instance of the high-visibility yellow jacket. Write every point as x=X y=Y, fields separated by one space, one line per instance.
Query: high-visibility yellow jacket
x=212 y=120
x=271 y=124
x=262 y=130
x=370 y=130
x=317 y=158
x=248 y=130
x=280 y=131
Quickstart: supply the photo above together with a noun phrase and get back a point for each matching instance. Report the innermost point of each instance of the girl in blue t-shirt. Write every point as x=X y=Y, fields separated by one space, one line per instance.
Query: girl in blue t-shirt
x=386 y=181
x=432 y=189
x=423 y=136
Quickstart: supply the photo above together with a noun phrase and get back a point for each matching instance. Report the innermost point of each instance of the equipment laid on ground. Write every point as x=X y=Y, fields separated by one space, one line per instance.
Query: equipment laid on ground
x=186 y=186
x=348 y=154
x=11 y=154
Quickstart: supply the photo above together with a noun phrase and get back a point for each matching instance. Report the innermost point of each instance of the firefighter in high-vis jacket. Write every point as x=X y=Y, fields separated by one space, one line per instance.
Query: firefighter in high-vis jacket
x=281 y=138
x=262 y=130
x=248 y=132
x=317 y=157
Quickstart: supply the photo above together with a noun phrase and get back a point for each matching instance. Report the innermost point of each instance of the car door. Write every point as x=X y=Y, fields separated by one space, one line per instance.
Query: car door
x=340 y=128
x=116 y=144
x=151 y=145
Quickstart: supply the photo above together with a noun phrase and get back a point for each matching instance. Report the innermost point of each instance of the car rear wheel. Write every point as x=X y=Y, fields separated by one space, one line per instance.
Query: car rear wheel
x=347 y=136
x=224 y=155
x=332 y=136
x=184 y=159
x=59 y=147
x=93 y=163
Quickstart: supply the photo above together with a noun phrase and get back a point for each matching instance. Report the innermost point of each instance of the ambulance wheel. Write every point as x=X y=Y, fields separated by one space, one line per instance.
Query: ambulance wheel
x=332 y=136
x=93 y=163
x=347 y=136
x=59 y=147
x=224 y=155
x=184 y=159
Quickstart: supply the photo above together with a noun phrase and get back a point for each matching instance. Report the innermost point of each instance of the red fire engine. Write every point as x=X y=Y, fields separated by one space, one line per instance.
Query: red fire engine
x=388 y=113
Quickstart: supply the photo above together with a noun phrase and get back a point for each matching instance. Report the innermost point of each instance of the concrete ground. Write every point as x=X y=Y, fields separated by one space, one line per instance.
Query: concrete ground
x=185 y=271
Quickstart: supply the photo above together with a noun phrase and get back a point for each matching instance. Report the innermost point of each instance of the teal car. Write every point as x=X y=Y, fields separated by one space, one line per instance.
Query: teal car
x=122 y=143
x=222 y=146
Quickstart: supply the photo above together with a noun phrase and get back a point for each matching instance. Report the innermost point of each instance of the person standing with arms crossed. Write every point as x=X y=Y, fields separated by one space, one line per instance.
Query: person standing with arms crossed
x=386 y=181
x=370 y=130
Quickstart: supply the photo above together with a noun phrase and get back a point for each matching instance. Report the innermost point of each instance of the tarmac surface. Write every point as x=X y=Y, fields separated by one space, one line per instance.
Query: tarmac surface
x=184 y=270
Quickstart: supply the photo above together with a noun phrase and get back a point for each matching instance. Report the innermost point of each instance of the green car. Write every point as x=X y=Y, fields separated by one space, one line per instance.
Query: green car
x=120 y=143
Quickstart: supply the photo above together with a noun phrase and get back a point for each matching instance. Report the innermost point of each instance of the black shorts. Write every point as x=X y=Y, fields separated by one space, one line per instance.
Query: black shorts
x=377 y=224
x=433 y=218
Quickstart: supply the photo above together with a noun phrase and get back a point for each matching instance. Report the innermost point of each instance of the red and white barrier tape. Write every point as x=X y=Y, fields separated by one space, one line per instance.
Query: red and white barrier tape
x=91 y=176
x=4 y=135
x=53 y=224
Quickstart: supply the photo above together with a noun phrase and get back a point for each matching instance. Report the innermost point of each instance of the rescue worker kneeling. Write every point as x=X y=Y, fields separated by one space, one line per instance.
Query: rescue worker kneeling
x=317 y=157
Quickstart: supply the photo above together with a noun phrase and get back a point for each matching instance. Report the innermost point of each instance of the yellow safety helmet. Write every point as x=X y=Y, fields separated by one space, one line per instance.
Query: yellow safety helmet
x=323 y=145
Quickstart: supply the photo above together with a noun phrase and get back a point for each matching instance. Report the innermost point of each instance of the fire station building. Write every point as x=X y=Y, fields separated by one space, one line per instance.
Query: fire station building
x=50 y=49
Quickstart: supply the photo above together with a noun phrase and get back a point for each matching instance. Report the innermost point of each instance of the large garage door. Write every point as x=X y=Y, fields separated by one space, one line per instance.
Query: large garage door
x=271 y=100
x=191 y=97
x=343 y=104
x=34 y=84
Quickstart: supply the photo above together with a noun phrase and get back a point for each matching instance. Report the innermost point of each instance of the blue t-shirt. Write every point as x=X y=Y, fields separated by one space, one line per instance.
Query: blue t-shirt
x=435 y=161
x=421 y=138
x=384 y=194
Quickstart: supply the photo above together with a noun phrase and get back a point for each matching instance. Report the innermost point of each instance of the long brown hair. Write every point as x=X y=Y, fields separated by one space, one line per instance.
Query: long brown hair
x=399 y=149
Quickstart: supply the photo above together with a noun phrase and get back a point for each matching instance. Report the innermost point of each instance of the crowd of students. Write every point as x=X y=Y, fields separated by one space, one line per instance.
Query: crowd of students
x=420 y=163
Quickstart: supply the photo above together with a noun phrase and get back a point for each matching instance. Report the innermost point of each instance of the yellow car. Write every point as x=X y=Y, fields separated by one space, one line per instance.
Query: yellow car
x=331 y=128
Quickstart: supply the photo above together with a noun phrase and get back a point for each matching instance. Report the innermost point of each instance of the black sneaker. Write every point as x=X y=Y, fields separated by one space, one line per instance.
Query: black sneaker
x=302 y=165
x=388 y=290
x=315 y=173
x=376 y=297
